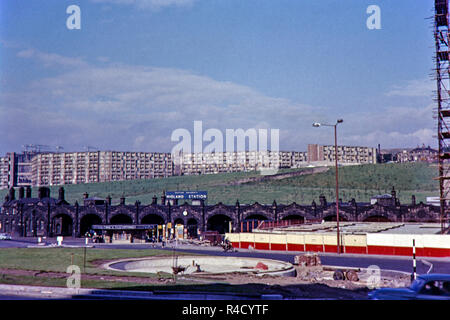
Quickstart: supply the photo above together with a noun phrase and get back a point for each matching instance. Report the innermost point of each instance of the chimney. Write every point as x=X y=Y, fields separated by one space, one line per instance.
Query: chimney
x=21 y=193
x=323 y=200
x=28 y=192
x=85 y=195
x=43 y=192
x=61 y=194
x=122 y=200
x=154 y=200
x=12 y=194
x=393 y=193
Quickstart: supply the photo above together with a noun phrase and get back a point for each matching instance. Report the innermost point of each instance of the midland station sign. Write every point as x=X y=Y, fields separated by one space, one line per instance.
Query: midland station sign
x=189 y=195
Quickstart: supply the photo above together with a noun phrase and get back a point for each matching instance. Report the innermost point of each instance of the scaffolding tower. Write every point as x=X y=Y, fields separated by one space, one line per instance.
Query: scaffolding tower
x=442 y=41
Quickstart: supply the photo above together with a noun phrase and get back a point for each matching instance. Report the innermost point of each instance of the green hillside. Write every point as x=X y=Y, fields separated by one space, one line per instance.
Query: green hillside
x=359 y=182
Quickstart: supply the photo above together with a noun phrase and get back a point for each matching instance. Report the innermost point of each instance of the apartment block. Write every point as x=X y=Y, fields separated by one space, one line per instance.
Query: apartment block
x=99 y=166
x=15 y=169
x=4 y=169
x=46 y=169
x=345 y=154
x=240 y=161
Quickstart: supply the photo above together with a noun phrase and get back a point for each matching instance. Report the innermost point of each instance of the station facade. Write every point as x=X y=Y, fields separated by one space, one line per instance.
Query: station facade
x=46 y=216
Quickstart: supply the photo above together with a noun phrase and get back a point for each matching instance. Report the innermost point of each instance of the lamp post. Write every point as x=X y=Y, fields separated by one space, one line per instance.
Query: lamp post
x=316 y=125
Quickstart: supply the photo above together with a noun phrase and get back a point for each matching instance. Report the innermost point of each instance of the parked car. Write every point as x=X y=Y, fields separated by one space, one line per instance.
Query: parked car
x=425 y=287
x=5 y=236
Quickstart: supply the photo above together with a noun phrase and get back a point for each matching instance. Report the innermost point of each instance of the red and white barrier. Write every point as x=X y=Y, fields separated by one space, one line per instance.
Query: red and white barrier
x=427 y=245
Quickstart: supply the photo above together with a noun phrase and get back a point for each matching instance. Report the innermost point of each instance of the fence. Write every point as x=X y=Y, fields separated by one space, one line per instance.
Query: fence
x=429 y=245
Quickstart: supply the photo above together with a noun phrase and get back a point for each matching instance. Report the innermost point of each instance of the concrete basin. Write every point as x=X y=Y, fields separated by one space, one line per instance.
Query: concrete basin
x=204 y=265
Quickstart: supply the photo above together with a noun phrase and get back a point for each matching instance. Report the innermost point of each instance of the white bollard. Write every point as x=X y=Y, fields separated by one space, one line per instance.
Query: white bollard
x=87 y=240
x=39 y=239
x=59 y=240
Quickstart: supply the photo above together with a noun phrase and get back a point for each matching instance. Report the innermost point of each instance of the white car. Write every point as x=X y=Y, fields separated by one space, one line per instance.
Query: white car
x=5 y=236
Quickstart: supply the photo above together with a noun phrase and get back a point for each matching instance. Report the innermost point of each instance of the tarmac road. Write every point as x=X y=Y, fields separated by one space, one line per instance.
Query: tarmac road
x=405 y=264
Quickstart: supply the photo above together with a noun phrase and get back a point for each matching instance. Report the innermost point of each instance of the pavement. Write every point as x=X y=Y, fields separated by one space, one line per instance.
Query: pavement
x=20 y=292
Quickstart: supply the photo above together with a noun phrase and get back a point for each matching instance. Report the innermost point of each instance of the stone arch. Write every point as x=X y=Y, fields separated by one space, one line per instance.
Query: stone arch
x=377 y=218
x=422 y=215
x=41 y=225
x=220 y=209
x=255 y=216
x=153 y=211
x=289 y=213
x=294 y=217
x=62 y=224
x=218 y=222
x=192 y=226
x=121 y=218
x=153 y=218
x=87 y=221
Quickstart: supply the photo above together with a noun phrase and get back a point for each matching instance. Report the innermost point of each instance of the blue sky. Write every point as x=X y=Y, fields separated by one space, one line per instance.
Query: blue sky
x=139 y=69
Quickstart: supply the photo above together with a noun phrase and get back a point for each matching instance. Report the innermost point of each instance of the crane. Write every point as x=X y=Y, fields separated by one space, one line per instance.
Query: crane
x=34 y=147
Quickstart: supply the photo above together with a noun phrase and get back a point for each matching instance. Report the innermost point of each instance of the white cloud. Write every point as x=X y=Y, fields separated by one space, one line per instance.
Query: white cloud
x=413 y=88
x=137 y=108
x=51 y=59
x=395 y=139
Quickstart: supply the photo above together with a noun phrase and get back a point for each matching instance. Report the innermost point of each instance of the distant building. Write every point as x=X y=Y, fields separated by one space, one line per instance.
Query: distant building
x=99 y=166
x=15 y=169
x=240 y=161
x=419 y=154
x=346 y=154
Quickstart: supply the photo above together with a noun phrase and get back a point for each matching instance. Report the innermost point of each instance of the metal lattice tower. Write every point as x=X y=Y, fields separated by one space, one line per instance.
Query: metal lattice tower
x=442 y=41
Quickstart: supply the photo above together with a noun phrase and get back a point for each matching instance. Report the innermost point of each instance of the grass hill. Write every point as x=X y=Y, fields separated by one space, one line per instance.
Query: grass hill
x=359 y=182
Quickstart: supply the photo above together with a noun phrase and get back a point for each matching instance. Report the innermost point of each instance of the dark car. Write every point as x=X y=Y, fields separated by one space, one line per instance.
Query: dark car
x=425 y=287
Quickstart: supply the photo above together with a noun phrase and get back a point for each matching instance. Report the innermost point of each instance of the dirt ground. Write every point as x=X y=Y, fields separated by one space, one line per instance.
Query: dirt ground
x=310 y=282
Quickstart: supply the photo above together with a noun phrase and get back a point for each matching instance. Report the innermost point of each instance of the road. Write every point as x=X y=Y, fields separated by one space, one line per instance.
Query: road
x=405 y=264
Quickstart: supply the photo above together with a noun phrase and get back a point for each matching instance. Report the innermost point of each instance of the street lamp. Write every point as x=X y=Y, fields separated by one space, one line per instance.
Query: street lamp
x=317 y=125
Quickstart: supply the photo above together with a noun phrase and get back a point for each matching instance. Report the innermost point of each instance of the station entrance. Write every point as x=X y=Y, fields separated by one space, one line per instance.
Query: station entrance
x=125 y=233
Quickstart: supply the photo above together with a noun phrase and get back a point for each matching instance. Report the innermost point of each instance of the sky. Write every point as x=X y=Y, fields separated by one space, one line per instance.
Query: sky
x=137 y=70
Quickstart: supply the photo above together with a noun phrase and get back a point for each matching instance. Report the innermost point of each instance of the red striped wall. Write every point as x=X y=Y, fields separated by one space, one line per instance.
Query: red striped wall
x=278 y=246
x=380 y=250
x=359 y=250
x=380 y=244
x=295 y=247
x=314 y=247
x=262 y=246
